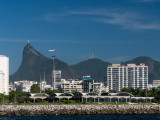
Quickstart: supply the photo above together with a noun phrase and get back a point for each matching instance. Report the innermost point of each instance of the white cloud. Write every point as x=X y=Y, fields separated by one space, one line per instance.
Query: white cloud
x=118 y=59
x=125 y=19
x=150 y=26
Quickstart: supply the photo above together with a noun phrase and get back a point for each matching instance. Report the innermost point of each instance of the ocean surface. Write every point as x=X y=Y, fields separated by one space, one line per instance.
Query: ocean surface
x=84 y=117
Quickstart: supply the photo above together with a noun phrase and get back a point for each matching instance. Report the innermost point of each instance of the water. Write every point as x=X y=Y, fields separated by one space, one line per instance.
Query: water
x=84 y=117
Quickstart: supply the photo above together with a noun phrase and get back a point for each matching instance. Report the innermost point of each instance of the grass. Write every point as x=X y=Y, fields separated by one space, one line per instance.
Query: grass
x=79 y=103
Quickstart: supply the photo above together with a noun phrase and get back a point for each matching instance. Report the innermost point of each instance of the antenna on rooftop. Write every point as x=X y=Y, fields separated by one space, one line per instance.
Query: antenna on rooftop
x=89 y=57
x=92 y=55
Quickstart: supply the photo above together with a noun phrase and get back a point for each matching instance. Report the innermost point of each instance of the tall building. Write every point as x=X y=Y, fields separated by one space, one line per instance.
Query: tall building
x=56 y=77
x=127 y=76
x=4 y=74
x=87 y=83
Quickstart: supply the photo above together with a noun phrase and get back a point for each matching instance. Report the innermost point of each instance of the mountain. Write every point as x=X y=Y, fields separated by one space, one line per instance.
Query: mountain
x=153 y=67
x=98 y=68
x=94 y=67
x=33 y=63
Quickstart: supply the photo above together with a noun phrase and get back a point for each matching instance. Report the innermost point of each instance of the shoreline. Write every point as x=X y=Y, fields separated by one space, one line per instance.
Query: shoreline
x=31 y=110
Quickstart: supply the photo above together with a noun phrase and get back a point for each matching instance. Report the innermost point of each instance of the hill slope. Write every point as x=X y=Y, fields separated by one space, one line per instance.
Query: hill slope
x=94 y=67
x=32 y=64
x=153 y=67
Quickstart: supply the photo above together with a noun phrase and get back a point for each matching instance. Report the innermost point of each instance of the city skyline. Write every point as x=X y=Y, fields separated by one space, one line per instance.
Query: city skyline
x=114 y=30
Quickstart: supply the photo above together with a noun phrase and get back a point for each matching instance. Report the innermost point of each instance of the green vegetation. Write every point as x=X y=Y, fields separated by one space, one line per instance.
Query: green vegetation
x=4 y=98
x=50 y=92
x=15 y=97
x=112 y=91
x=154 y=92
x=35 y=88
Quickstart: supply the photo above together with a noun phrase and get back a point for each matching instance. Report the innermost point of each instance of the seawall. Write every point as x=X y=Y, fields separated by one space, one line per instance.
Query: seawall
x=78 y=109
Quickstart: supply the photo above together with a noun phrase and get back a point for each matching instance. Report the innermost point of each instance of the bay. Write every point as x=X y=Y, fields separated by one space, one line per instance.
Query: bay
x=84 y=117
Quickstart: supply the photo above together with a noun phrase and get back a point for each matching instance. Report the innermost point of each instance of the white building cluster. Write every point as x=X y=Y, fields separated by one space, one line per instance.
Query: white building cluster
x=127 y=76
x=71 y=85
x=86 y=85
x=4 y=74
x=24 y=85
x=119 y=76
x=156 y=83
x=43 y=85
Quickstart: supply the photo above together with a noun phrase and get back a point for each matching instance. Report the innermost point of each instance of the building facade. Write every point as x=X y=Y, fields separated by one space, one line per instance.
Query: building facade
x=4 y=74
x=127 y=76
x=56 y=79
x=43 y=86
x=156 y=83
x=23 y=86
x=99 y=87
x=88 y=84
x=71 y=85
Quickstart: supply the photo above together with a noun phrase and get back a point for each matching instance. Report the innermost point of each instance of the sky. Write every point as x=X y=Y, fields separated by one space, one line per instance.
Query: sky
x=115 y=30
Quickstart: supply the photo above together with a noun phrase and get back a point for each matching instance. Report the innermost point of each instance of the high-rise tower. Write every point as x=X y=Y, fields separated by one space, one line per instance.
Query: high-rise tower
x=4 y=74
x=127 y=76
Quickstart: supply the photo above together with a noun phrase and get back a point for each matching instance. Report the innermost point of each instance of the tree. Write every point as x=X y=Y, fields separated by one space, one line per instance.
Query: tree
x=49 y=91
x=4 y=98
x=126 y=90
x=137 y=92
x=13 y=96
x=112 y=91
x=35 y=88
x=74 y=92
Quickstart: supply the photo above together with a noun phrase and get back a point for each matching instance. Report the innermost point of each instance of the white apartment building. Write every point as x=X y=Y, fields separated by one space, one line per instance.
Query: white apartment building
x=23 y=86
x=56 y=79
x=43 y=86
x=4 y=74
x=156 y=83
x=127 y=76
x=99 y=87
x=70 y=85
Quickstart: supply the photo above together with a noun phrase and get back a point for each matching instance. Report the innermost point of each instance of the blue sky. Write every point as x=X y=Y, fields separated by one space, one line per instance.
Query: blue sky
x=116 y=30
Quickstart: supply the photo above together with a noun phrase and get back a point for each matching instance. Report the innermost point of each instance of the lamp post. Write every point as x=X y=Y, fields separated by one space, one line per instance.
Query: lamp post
x=44 y=81
x=40 y=84
x=53 y=76
x=146 y=95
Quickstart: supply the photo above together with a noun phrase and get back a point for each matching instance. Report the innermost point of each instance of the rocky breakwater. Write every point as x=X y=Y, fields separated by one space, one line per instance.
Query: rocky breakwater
x=78 y=109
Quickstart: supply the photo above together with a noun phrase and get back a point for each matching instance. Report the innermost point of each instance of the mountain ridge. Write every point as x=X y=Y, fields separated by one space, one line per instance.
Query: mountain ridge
x=153 y=67
x=32 y=64
x=95 y=67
